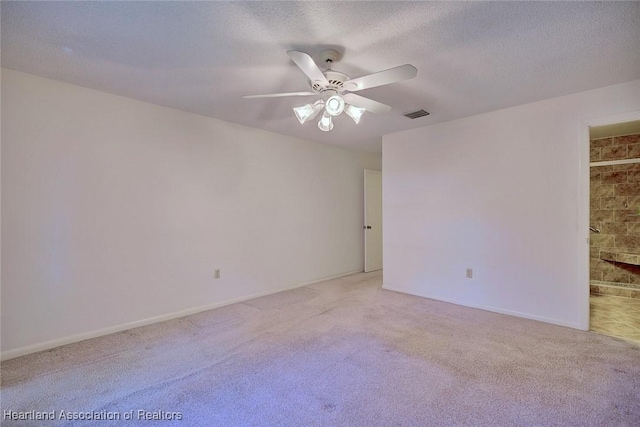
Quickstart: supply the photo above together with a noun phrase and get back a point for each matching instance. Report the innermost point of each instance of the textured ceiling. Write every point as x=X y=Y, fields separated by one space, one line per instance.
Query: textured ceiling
x=202 y=57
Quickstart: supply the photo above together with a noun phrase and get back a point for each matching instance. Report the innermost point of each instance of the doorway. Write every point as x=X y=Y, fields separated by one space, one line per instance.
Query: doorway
x=614 y=229
x=372 y=220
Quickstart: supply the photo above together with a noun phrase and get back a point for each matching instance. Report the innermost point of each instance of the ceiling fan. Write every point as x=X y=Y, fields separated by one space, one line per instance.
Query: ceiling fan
x=335 y=89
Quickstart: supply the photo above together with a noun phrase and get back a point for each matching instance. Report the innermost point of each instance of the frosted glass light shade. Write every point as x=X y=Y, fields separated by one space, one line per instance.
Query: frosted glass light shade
x=303 y=113
x=308 y=112
x=325 y=123
x=355 y=112
x=335 y=105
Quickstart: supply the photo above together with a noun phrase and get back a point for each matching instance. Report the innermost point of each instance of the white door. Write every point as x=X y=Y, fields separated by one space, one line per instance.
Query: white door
x=372 y=220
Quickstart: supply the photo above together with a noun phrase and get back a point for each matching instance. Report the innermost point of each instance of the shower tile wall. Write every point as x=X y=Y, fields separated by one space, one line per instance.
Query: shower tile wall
x=615 y=210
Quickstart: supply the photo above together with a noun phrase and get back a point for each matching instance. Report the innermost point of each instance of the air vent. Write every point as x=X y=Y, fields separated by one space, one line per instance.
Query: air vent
x=416 y=114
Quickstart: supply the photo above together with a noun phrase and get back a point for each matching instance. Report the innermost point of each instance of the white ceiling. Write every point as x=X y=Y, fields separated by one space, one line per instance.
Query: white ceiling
x=202 y=57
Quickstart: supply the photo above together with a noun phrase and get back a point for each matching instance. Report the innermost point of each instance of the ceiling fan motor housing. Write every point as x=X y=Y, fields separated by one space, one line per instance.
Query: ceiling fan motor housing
x=336 y=80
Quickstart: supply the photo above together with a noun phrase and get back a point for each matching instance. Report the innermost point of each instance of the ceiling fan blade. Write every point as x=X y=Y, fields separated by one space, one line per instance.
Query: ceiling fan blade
x=279 y=95
x=392 y=75
x=308 y=66
x=366 y=103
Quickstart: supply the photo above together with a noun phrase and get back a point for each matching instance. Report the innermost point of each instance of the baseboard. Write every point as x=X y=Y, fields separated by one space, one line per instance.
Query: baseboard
x=489 y=308
x=34 y=348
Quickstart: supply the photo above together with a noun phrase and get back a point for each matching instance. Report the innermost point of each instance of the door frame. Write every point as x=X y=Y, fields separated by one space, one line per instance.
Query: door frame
x=584 y=207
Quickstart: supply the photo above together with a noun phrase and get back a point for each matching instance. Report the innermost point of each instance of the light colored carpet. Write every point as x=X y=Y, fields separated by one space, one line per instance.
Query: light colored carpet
x=341 y=352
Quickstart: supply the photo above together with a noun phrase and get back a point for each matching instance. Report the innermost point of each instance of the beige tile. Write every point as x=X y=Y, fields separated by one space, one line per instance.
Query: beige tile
x=626 y=215
x=626 y=139
x=632 y=189
x=616 y=276
x=621 y=292
x=630 y=242
x=619 y=177
x=633 y=151
x=634 y=278
x=603 y=190
x=602 y=142
x=615 y=152
x=605 y=291
x=601 y=215
x=602 y=169
x=594 y=154
x=602 y=240
x=613 y=227
x=633 y=201
x=633 y=228
x=619 y=202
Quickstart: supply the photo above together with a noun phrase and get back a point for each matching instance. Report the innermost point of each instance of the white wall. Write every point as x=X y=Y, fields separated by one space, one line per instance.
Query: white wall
x=116 y=211
x=504 y=193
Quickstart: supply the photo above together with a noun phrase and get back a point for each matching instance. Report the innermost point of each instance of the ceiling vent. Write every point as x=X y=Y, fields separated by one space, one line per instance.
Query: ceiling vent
x=416 y=114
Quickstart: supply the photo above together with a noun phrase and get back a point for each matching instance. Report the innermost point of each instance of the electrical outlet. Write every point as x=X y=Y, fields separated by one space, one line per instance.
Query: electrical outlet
x=216 y=274
x=469 y=273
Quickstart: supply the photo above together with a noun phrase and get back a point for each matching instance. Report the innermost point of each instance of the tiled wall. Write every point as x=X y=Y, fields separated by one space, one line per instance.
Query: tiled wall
x=615 y=210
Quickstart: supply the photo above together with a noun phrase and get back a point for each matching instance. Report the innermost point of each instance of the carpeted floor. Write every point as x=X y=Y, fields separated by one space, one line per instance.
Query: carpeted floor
x=341 y=352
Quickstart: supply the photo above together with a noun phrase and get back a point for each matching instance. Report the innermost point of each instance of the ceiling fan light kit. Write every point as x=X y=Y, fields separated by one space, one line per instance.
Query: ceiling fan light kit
x=335 y=105
x=334 y=89
x=308 y=112
x=325 y=123
x=355 y=113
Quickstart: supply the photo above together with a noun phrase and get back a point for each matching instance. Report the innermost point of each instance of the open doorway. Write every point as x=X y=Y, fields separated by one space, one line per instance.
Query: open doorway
x=372 y=220
x=614 y=227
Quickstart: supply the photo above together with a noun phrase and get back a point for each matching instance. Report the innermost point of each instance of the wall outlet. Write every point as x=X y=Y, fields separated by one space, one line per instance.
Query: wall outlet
x=469 y=273
x=216 y=274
